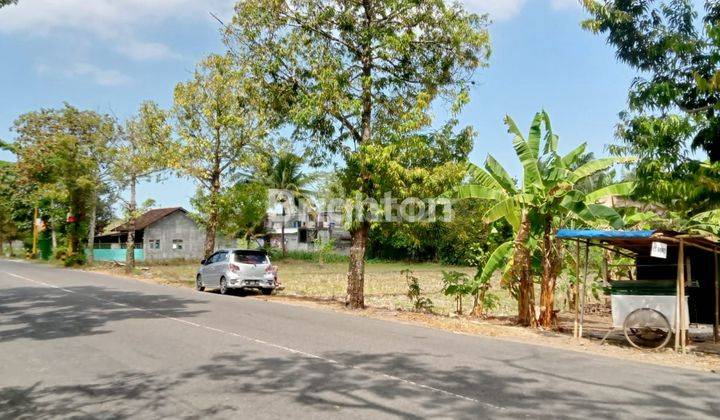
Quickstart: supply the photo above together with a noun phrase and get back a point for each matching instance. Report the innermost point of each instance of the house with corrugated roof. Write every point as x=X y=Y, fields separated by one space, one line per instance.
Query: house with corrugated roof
x=160 y=234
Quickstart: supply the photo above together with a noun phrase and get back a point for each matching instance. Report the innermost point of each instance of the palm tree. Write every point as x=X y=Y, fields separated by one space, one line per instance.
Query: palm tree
x=284 y=171
x=547 y=197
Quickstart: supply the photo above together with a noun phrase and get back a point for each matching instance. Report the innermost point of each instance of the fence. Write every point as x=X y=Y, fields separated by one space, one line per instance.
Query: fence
x=116 y=254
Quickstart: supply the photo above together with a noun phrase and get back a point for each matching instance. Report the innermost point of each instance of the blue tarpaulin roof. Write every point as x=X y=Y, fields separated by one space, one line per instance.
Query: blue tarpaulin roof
x=603 y=234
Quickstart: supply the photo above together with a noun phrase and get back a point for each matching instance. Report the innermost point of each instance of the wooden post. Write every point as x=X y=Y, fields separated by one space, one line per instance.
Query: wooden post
x=716 y=326
x=683 y=315
x=582 y=297
x=677 y=305
x=576 y=290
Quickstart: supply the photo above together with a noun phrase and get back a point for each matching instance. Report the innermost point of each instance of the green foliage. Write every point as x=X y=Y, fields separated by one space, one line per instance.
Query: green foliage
x=427 y=166
x=59 y=155
x=457 y=285
x=550 y=190
x=674 y=100
x=553 y=193
x=357 y=80
x=9 y=228
x=74 y=260
x=277 y=254
x=465 y=240
x=219 y=124
x=7 y=2
x=241 y=209
x=143 y=151
x=324 y=248
x=414 y=293
x=60 y=253
x=283 y=170
x=218 y=121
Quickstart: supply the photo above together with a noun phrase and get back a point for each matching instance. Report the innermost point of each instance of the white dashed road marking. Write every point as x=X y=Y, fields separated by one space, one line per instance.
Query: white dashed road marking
x=273 y=345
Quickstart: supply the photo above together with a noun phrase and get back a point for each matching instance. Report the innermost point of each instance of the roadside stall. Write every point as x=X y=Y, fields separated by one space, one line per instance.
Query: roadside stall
x=672 y=280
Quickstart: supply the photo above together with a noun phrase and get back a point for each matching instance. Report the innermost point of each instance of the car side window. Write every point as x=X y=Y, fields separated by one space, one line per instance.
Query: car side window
x=222 y=256
x=211 y=259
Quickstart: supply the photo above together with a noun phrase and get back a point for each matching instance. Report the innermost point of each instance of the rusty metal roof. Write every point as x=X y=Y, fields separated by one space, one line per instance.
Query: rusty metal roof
x=148 y=218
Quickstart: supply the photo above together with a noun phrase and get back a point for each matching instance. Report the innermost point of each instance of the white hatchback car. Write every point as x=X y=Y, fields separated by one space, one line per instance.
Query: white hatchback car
x=237 y=269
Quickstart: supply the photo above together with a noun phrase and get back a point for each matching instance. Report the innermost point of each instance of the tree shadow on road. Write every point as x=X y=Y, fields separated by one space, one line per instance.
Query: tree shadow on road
x=257 y=384
x=48 y=313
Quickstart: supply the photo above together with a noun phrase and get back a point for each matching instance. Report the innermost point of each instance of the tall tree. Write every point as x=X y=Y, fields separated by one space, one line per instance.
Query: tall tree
x=57 y=148
x=356 y=77
x=9 y=229
x=674 y=102
x=141 y=153
x=547 y=199
x=218 y=121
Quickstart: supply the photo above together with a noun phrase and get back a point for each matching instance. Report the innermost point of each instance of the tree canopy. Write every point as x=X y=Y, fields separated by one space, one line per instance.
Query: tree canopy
x=354 y=78
x=58 y=153
x=218 y=122
x=674 y=100
x=550 y=195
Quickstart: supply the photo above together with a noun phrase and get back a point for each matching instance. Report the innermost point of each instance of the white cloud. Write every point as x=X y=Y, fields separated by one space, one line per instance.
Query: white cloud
x=112 y=21
x=565 y=4
x=500 y=10
x=497 y=9
x=97 y=75
x=101 y=17
x=141 y=51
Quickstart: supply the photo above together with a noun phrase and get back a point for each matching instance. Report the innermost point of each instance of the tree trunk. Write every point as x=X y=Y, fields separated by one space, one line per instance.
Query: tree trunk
x=2 y=245
x=91 y=231
x=550 y=266
x=282 y=235
x=523 y=274
x=72 y=233
x=212 y=224
x=356 y=271
x=53 y=236
x=130 y=244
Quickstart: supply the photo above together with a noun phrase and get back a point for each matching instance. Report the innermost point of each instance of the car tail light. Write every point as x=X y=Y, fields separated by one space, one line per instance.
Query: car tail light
x=271 y=269
x=234 y=268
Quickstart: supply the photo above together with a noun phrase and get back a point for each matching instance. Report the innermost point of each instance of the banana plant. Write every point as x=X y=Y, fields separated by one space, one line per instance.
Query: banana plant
x=546 y=197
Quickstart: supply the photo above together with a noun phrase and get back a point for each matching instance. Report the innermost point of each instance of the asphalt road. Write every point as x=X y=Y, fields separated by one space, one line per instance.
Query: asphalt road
x=78 y=344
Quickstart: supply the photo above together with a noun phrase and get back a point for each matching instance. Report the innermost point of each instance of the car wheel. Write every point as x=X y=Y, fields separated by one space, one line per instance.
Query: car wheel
x=266 y=292
x=198 y=284
x=223 y=286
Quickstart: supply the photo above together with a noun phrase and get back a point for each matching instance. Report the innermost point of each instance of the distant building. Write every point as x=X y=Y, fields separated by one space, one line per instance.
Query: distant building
x=160 y=234
x=303 y=228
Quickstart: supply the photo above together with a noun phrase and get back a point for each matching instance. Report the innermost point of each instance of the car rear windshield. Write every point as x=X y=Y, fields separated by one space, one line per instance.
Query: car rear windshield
x=246 y=257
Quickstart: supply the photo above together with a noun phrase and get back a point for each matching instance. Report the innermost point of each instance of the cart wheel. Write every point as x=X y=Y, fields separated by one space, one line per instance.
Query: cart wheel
x=647 y=328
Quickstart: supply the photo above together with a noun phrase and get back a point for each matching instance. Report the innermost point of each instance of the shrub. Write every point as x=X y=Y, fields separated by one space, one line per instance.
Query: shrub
x=457 y=285
x=414 y=293
x=324 y=249
x=60 y=253
x=277 y=255
x=75 y=259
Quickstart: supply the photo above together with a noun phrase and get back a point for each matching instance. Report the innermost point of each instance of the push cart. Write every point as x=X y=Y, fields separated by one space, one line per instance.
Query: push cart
x=667 y=268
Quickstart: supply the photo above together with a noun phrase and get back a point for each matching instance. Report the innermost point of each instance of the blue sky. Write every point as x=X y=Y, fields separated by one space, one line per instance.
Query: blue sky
x=110 y=55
